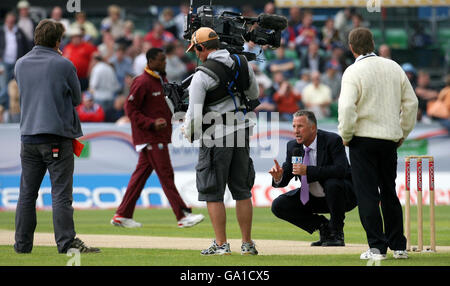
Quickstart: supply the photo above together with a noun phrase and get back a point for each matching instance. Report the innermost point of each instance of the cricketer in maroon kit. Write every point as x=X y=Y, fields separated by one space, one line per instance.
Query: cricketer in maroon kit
x=151 y=131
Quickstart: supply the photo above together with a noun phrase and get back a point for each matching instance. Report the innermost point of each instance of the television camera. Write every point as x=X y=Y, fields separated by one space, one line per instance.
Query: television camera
x=233 y=30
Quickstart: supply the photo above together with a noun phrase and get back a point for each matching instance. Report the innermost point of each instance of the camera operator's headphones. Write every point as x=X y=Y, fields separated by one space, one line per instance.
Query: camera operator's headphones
x=200 y=36
x=197 y=46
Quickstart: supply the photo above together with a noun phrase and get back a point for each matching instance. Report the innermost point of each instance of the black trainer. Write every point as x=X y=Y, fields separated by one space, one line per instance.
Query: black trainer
x=336 y=238
x=324 y=233
x=79 y=244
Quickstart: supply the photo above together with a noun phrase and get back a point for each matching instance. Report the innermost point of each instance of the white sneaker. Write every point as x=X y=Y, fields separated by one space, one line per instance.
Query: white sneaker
x=249 y=248
x=372 y=254
x=125 y=222
x=190 y=220
x=400 y=254
x=216 y=249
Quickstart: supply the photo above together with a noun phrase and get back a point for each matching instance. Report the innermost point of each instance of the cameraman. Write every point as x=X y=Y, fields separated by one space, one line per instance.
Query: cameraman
x=221 y=161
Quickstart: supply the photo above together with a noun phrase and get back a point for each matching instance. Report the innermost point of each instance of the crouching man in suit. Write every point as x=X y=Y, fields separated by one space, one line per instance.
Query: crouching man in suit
x=325 y=176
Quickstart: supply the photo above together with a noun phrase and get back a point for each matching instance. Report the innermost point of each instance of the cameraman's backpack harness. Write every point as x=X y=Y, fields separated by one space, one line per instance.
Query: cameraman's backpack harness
x=231 y=81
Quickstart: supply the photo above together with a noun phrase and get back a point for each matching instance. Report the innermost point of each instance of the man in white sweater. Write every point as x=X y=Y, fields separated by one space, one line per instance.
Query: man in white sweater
x=377 y=111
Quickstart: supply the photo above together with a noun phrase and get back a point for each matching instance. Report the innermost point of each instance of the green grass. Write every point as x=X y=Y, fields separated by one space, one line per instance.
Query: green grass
x=48 y=256
x=161 y=222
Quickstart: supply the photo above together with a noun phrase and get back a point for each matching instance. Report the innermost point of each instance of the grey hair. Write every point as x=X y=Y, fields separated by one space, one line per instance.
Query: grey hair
x=309 y=115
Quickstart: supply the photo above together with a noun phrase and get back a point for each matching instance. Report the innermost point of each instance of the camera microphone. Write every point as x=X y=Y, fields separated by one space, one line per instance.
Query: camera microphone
x=297 y=157
x=273 y=22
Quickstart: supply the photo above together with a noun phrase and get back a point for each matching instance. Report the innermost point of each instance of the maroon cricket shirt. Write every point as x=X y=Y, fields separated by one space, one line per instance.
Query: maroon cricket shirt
x=145 y=104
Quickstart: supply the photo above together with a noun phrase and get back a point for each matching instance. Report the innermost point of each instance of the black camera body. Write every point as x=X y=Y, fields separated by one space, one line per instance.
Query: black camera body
x=177 y=95
x=234 y=29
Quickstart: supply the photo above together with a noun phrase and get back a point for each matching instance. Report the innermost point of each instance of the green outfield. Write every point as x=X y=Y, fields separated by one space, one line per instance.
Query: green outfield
x=46 y=256
x=161 y=222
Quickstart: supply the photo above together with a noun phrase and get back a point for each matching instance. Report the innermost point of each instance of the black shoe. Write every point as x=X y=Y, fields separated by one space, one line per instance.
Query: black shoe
x=324 y=233
x=336 y=238
x=79 y=244
x=22 y=252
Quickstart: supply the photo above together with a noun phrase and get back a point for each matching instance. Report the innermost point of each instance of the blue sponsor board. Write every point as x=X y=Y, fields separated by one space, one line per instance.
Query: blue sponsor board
x=89 y=191
x=101 y=178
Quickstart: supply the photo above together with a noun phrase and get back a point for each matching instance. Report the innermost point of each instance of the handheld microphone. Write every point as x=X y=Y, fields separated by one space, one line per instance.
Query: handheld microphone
x=297 y=158
x=274 y=22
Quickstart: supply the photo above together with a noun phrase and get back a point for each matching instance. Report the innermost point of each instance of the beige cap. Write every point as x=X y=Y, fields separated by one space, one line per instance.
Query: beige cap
x=23 y=4
x=202 y=35
x=75 y=31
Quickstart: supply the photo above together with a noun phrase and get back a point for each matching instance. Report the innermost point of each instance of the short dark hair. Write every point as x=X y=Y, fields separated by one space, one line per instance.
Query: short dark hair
x=153 y=53
x=11 y=13
x=48 y=33
x=170 y=48
x=361 y=40
x=121 y=47
x=359 y=16
x=309 y=115
x=212 y=44
x=61 y=29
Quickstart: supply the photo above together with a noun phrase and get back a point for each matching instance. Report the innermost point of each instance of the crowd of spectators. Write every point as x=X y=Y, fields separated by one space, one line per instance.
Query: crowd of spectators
x=304 y=72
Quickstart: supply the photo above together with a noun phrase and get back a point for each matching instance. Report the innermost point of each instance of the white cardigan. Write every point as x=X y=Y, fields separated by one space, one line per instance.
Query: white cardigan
x=376 y=101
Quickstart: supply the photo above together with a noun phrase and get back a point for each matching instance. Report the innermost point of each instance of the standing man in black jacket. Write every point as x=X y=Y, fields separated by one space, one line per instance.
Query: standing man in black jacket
x=13 y=45
x=326 y=185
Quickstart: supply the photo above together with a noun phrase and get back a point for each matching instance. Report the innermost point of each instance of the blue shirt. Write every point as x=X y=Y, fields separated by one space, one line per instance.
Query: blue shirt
x=122 y=68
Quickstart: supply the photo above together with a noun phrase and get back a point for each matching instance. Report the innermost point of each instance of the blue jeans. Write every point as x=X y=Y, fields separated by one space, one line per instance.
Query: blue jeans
x=445 y=123
x=7 y=75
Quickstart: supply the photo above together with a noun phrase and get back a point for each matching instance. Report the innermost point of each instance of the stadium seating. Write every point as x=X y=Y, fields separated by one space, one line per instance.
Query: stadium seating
x=377 y=37
x=292 y=54
x=397 y=38
x=444 y=39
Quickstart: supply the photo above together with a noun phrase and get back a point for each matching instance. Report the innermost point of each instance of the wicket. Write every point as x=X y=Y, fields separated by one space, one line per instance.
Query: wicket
x=419 y=203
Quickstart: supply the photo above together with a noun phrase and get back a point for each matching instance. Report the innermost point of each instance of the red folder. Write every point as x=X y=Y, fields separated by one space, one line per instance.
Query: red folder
x=77 y=147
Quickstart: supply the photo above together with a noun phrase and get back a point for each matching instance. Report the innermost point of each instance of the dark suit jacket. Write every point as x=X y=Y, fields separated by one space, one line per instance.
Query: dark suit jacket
x=331 y=162
x=23 y=46
x=304 y=63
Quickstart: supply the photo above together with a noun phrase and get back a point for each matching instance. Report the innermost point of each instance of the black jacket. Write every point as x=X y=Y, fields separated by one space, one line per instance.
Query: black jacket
x=304 y=63
x=331 y=161
x=23 y=46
